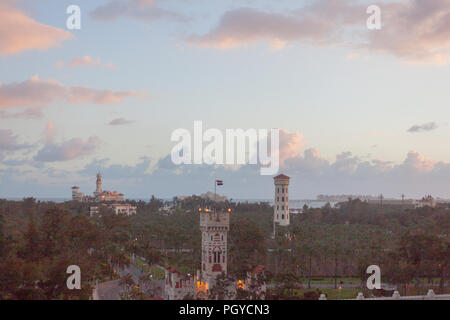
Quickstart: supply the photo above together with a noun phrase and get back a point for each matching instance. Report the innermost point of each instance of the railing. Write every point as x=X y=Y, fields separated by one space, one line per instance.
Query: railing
x=396 y=296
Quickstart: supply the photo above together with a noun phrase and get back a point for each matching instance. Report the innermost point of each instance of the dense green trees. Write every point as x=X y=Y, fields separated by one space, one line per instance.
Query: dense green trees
x=37 y=256
x=39 y=240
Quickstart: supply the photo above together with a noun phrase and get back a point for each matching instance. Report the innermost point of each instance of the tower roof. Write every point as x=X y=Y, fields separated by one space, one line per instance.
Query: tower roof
x=281 y=176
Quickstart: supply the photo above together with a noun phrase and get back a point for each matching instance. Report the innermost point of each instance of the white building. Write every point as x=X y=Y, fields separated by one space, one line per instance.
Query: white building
x=94 y=210
x=123 y=208
x=76 y=194
x=427 y=201
x=99 y=195
x=281 y=203
x=117 y=208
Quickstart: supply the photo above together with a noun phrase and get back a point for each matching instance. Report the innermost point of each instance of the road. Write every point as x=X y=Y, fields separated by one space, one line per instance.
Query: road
x=155 y=287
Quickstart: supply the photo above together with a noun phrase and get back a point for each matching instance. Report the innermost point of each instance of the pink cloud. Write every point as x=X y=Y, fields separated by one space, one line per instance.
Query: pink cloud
x=413 y=30
x=144 y=10
x=37 y=93
x=9 y=142
x=68 y=150
x=315 y=22
x=290 y=145
x=81 y=94
x=30 y=113
x=86 y=61
x=19 y=32
x=416 y=163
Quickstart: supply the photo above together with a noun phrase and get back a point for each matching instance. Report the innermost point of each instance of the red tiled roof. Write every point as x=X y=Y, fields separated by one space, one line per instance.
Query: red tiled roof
x=281 y=176
x=172 y=270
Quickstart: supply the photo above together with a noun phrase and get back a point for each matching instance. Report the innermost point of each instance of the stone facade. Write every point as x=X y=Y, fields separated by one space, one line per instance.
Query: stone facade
x=214 y=228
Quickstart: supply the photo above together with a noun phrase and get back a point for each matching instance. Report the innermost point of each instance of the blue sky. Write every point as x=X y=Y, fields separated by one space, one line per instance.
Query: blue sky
x=343 y=90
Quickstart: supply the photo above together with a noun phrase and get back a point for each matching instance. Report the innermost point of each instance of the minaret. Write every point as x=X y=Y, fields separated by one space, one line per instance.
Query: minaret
x=99 y=184
x=214 y=228
x=281 y=206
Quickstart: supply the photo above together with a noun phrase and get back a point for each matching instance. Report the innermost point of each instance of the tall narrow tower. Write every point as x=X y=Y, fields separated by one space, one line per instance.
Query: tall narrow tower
x=214 y=228
x=281 y=206
x=99 y=183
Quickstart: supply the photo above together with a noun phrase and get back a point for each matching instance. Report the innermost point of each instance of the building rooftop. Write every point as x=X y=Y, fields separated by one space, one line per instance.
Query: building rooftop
x=281 y=176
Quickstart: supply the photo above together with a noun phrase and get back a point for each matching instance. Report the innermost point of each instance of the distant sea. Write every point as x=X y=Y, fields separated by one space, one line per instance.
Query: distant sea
x=294 y=204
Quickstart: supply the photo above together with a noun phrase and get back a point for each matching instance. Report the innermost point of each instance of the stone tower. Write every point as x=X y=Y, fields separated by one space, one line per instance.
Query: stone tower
x=98 y=190
x=214 y=228
x=281 y=206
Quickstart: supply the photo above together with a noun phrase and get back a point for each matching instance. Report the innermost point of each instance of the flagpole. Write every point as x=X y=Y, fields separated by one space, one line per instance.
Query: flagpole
x=215 y=186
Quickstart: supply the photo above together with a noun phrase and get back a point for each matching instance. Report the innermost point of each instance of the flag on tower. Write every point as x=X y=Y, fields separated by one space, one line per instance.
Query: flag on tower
x=219 y=182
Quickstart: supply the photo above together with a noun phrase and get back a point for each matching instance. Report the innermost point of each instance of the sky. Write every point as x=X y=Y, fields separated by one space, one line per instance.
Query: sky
x=360 y=111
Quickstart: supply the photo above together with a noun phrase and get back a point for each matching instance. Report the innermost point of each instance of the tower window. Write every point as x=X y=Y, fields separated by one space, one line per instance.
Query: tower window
x=282 y=207
x=282 y=199
x=282 y=216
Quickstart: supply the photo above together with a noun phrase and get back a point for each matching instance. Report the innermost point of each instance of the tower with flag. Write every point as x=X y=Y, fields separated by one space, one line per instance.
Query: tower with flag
x=214 y=227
